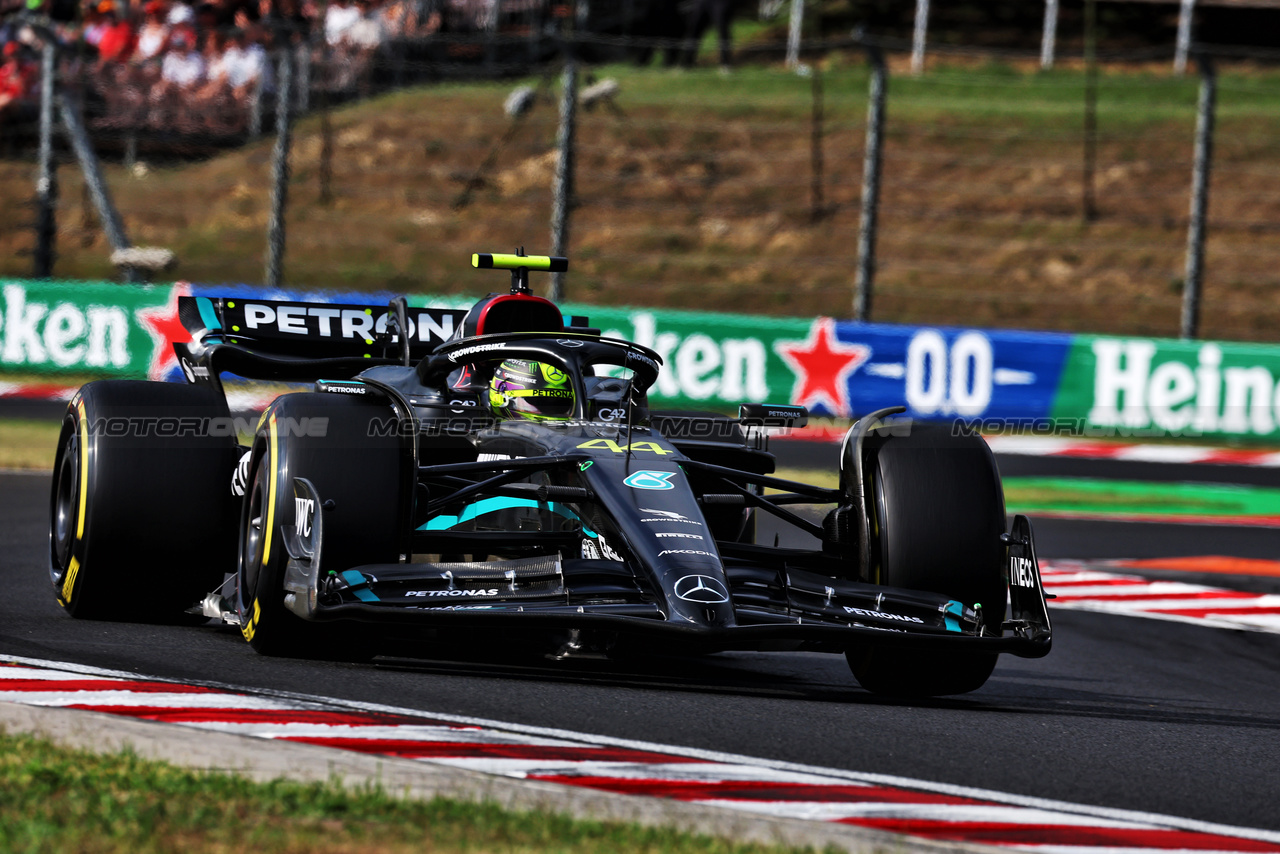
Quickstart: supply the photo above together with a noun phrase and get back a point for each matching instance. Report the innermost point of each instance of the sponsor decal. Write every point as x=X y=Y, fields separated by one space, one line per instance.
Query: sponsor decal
x=599 y=549
x=640 y=359
x=610 y=414
x=885 y=615
x=1021 y=572
x=687 y=552
x=568 y=342
x=490 y=591
x=702 y=589
x=458 y=608
x=346 y=389
x=667 y=516
x=240 y=477
x=303 y=508
x=475 y=349
x=650 y=480
x=634 y=447
x=666 y=534
x=193 y=372
x=334 y=321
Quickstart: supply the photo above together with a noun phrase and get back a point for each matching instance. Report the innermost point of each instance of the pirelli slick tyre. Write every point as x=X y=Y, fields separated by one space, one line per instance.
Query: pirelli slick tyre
x=328 y=439
x=142 y=517
x=938 y=512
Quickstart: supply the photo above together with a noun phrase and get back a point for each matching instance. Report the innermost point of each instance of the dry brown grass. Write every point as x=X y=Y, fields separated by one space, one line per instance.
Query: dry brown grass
x=695 y=193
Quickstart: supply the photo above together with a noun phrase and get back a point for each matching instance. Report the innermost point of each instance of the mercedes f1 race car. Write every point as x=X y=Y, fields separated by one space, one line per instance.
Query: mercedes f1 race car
x=498 y=471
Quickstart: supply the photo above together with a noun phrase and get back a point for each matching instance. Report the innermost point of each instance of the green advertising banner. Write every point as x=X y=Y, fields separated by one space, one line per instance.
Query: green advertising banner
x=1082 y=384
x=1166 y=387
x=95 y=328
x=709 y=360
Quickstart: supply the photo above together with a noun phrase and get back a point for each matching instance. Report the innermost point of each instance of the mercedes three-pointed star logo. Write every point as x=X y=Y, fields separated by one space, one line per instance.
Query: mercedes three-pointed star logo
x=701 y=588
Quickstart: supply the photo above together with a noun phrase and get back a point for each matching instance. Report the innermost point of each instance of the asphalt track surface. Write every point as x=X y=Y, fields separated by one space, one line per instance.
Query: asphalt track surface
x=1125 y=712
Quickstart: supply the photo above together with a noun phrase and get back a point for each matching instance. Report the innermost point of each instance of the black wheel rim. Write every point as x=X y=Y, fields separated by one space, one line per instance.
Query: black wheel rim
x=251 y=531
x=65 y=501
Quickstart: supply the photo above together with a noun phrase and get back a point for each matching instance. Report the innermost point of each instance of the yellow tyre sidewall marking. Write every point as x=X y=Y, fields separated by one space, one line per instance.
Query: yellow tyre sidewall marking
x=271 y=493
x=251 y=627
x=84 y=469
x=73 y=568
x=70 y=583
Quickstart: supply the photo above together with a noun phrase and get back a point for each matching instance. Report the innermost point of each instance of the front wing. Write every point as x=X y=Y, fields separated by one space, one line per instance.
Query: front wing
x=770 y=605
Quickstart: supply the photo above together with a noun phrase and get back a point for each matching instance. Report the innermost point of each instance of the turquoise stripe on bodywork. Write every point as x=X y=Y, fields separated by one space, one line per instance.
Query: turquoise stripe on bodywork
x=207 y=314
x=493 y=505
x=954 y=609
x=359 y=586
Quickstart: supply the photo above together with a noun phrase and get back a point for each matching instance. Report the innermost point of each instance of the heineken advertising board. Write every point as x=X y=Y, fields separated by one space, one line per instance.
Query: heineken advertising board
x=1095 y=385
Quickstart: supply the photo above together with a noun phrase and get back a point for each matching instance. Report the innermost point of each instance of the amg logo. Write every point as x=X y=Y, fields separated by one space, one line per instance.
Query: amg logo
x=862 y=612
x=1021 y=572
x=491 y=591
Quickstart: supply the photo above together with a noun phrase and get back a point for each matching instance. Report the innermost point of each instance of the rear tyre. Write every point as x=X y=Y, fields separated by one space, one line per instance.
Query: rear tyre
x=938 y=508
x=326 y=438
x=142 y=517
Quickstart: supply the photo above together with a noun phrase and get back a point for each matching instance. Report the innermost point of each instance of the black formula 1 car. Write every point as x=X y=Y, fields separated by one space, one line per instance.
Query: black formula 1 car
x=498 y=471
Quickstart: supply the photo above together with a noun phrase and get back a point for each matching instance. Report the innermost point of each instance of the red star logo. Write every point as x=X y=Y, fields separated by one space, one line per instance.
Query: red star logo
x=822 y=365
x=165 y=328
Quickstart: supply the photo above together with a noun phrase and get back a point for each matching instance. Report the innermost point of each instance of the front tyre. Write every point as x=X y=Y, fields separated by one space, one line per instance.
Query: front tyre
x=142 y=518
x=938 y=513
x=338 y=444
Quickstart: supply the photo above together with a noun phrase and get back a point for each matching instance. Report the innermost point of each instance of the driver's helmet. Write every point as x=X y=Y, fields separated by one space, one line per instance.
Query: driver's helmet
x=531 y=390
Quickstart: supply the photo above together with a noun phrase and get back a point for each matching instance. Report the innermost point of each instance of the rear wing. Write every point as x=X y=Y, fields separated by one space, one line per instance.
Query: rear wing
x=316 y=330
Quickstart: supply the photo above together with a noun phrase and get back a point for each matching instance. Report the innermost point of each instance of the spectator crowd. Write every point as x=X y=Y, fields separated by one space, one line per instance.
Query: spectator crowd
x=200 y=68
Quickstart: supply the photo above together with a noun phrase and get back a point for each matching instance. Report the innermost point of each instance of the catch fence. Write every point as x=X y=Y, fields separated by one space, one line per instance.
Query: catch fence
x=1002 y=194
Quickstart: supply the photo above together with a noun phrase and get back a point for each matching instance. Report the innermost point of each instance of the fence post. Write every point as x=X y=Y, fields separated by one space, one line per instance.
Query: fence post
x=1090 y=204
x=1050 y=34
x=47 y=183
x=280 y=171
x=304 y=78
x=817 y=205
x=918 y=38
x=793 y=34
x=1199 y=198
x=1184 y=36
x=255 y=107
x=97 y=185
x=870 y=186
x=563 y=190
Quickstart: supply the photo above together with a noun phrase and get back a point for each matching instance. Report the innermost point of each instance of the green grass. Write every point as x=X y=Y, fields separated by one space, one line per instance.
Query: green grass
x=1126 y=497
x=55 y=800
x=28 y=444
